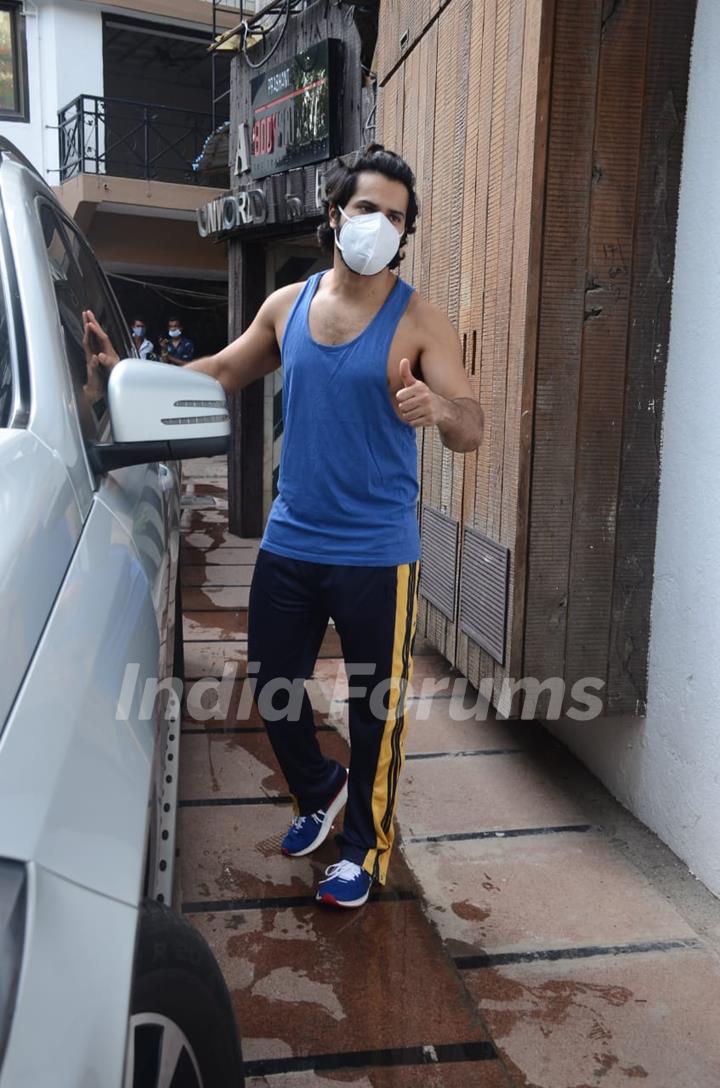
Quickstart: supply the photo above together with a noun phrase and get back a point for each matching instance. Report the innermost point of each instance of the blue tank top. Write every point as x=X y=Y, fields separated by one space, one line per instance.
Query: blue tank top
x=347 y=488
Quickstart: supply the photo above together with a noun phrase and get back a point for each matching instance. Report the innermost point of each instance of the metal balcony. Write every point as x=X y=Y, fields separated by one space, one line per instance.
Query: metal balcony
x=122 y=138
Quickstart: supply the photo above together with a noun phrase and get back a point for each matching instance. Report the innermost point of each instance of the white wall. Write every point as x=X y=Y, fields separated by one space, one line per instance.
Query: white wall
x=666 y=768
x=64 y=44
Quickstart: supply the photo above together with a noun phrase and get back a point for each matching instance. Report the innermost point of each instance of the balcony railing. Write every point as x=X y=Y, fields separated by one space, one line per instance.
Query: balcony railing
x=129 y=139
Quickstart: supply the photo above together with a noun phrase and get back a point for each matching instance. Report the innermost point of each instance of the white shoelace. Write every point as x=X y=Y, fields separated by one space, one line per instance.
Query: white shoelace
x=344 y=870
x=318 y=817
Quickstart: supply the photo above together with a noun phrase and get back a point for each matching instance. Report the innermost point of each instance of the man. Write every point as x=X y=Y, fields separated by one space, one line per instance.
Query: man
x=144 y=346
x=366 y=362
x=176 y=348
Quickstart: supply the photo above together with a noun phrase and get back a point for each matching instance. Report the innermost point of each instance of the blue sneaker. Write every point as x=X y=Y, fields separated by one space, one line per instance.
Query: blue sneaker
x=346 y=885
x=306 y=833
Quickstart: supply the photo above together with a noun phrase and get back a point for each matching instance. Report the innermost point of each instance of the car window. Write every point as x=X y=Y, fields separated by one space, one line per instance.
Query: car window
x=80 y=285
x=6 y=374
x=99 y=297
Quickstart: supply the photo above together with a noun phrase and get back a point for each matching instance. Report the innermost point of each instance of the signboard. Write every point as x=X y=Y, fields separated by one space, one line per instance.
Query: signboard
x=295 y=111
x=232 y=211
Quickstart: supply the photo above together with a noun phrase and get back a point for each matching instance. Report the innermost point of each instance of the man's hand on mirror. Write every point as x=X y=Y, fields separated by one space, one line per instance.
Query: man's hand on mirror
x=101 y=352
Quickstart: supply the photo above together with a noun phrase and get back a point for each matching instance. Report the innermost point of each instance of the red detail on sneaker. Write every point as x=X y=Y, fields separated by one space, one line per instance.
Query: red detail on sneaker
x=327 y=898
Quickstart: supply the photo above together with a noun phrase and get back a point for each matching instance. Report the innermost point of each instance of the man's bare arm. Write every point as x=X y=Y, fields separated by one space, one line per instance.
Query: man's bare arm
x=256 y=352
x=444 y=398
x=247 y=358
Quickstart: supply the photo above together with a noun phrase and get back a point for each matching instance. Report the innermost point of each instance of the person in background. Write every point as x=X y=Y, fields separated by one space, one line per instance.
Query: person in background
x=176 y=348
x=144 y=346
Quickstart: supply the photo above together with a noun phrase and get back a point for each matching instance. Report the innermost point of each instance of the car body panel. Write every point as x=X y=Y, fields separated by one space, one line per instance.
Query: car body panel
x=75 y=780
x=66 y=1035
x=41 y=527
x=53 y=413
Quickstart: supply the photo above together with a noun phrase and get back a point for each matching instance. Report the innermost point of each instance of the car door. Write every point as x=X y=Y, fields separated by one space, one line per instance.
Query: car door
x=143 y=497
x=78 y=753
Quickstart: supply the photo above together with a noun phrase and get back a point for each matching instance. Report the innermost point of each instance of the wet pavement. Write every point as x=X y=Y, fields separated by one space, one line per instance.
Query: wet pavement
x=532 y=933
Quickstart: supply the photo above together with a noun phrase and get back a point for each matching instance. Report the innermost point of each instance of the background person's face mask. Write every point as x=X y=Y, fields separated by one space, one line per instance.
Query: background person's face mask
x=367 y=242
x=175 y=332
x=138 y=330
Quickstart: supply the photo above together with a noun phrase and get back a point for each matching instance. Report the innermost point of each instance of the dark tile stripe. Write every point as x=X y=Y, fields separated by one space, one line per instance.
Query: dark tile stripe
x=279 y=902
x=191 y=561
x=510 y=833
x=368 y=1059
x=211 y=802
x=213 y=675
x=497 y=959
x=204 y=611
x=455 y=755
x=192 y=731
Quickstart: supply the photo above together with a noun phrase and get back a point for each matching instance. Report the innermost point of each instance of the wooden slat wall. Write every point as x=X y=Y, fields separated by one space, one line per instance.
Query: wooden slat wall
x=610 y=248
x=567 y=203
x=461 y=107
x=619 y=85
x=666 y=73
x=546 y=137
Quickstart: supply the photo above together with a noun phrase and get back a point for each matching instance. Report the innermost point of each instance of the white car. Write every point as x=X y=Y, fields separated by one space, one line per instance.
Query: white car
x=102 y=985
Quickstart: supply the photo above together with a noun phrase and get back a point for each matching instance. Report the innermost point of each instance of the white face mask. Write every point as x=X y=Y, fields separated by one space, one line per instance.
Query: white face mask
x=175 y=332
x=138 y=330
x=367 y=242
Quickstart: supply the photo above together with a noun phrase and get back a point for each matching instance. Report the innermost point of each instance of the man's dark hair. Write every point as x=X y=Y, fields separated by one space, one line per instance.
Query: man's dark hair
x=139 y=321
x=341 y=186
x=175 y=319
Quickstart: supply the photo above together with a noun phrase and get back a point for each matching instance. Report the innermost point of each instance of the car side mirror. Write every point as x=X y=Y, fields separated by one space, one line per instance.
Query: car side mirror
x=162 y=413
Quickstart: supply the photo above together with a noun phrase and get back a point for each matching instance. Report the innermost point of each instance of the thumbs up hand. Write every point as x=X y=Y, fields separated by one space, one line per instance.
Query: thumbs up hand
x=406 y=374
x=417 y=404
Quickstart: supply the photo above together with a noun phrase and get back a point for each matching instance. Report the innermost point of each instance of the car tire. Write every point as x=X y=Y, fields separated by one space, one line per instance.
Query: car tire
x=179 y=996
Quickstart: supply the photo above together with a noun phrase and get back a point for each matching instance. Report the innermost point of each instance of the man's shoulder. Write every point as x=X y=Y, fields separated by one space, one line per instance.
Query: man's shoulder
x=279 y=302
x=289 y=292
x=422 y=312
x=430 y=326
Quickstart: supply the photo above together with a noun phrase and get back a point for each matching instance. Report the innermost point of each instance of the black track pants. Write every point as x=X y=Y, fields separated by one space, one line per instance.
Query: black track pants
x=375 y=613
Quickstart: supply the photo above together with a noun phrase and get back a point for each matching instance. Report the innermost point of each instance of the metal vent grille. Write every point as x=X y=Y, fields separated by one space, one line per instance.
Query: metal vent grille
x=484 y=592
x=439 y=535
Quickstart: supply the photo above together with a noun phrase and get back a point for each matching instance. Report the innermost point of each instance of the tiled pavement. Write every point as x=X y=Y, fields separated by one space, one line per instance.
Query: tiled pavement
x=532 y=933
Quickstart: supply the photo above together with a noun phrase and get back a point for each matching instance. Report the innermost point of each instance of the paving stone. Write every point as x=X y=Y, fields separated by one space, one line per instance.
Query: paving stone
x=604 y=1022
x=239 y=764
x=217 y=538
x=198 y=520
x=217 y=575
x=441 y=796
x=233 y=852
x=560 y=890
x=202 y=599
x=211 y=658
x=221 y=556
x=201 y=468
x=215 y=625
x=435 y=727
x=216 y=486
x=319 y=981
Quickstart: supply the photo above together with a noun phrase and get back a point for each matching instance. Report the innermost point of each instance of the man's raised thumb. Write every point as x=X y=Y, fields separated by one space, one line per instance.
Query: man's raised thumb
x=406 y=375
